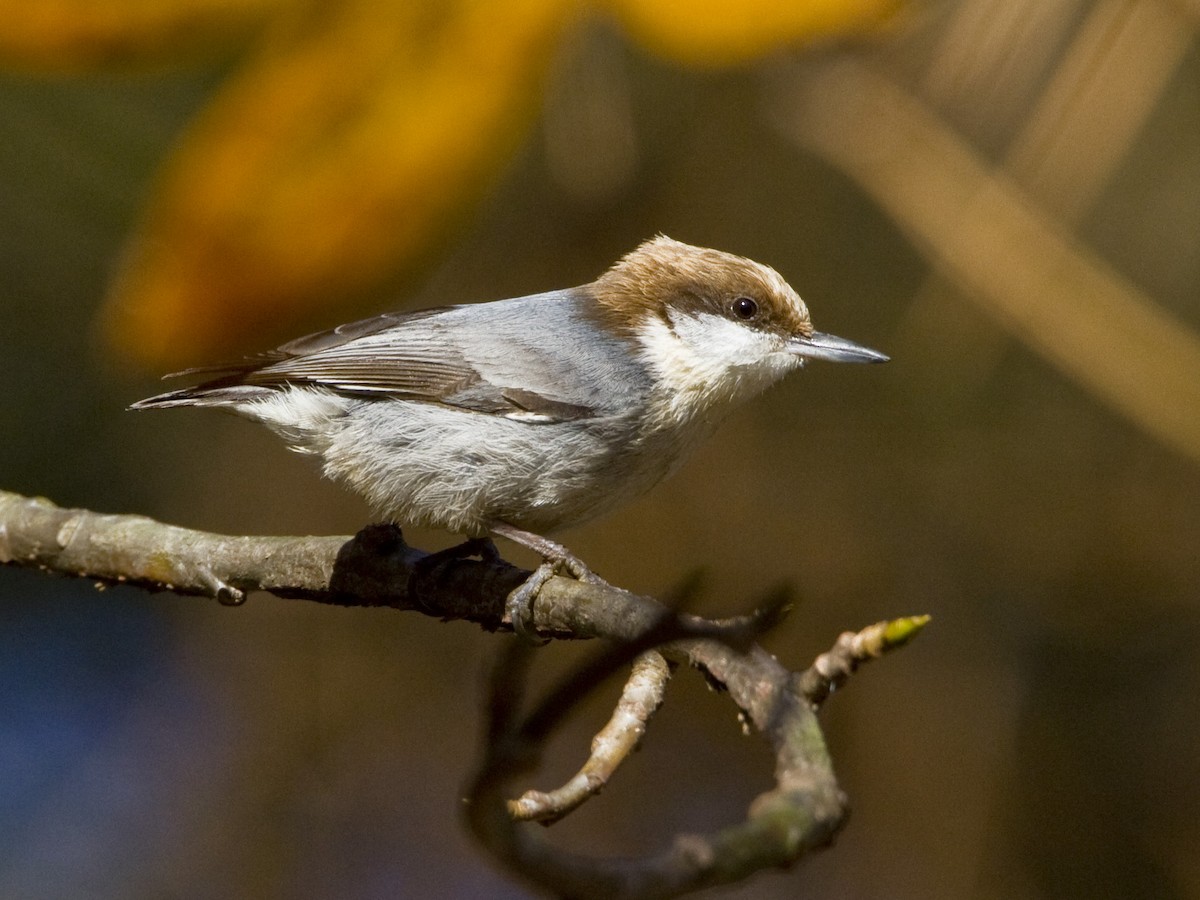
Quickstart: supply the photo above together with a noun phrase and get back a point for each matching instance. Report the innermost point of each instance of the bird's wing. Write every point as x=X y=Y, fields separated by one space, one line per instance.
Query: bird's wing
x=492 y=358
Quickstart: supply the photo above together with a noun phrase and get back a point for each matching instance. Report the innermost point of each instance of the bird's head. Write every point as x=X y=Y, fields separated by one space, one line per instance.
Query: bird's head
x=713 y=328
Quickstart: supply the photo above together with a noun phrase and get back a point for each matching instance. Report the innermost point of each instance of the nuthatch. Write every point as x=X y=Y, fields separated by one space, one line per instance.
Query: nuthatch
x=521 y=416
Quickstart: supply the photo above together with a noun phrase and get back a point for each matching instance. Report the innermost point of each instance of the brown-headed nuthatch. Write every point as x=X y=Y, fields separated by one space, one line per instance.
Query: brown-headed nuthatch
x=521 y=416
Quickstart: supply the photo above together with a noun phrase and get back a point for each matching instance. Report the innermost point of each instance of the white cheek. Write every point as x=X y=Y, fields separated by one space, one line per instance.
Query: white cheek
x=706 y=360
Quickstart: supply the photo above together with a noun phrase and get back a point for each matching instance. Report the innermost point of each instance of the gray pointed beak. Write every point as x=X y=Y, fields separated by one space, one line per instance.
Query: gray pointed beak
x=835 y=349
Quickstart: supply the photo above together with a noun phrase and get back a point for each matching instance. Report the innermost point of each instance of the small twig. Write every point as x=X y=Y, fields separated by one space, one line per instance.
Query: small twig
x=831 y=669
x=641 y=697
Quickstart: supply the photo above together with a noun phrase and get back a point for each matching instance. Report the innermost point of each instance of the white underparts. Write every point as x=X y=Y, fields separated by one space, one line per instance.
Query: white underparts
x=300 y=415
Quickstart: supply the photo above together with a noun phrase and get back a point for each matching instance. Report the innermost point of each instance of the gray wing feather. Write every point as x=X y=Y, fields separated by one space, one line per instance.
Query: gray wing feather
x=534 y=358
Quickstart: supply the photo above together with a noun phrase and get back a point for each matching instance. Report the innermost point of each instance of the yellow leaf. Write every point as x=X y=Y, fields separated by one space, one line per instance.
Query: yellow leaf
x=90 y=34
x=722 y=33
x=331 y=159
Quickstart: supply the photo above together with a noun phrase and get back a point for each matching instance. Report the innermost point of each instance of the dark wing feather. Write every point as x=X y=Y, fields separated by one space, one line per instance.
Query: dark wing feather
x=311 y=343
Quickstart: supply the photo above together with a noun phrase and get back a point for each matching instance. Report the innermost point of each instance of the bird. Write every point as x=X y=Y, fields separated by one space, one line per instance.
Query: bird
x=520 y=417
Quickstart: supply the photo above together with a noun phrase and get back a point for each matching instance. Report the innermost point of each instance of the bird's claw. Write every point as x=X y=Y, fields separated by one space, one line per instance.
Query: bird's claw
x=576 y=568
x=519 y=605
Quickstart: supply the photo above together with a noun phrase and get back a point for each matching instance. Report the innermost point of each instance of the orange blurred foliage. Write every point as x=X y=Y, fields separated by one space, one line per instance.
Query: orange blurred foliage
x=77 y=35
x=333 y=156
x=719 y=33
x=352 y=134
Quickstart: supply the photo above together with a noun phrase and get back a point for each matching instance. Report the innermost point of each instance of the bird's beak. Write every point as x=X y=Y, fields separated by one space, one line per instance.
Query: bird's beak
x=835 y=349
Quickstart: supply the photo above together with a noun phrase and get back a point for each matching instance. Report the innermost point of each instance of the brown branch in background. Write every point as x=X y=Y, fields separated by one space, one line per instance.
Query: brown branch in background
x=1103 y=90
x=1110 y=62
x=992 y=241
x=376 y=568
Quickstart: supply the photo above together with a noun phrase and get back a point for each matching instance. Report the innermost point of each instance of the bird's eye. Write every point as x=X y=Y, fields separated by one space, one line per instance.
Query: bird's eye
x=744 y=308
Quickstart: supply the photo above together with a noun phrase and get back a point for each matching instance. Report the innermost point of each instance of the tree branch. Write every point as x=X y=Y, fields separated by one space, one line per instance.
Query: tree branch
x=641 y=697
x=833 y=668
x=376 y=568
x=801 y=813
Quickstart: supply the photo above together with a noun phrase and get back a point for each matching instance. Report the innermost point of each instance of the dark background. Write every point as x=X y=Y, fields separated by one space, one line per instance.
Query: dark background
x=1039 y=740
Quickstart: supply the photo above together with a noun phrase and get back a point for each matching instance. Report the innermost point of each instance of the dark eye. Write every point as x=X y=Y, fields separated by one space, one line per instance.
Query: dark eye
x=744 y=308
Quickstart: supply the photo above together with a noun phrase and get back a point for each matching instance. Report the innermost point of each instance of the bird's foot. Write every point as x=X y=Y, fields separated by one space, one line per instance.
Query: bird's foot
x=556 y=560
x=519 y=605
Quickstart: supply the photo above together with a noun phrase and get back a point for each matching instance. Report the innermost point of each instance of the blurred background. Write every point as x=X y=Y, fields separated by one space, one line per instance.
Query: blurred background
x=1004 y=196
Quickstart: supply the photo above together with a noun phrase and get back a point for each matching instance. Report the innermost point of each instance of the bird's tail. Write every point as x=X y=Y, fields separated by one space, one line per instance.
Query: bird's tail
x=226 y=396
